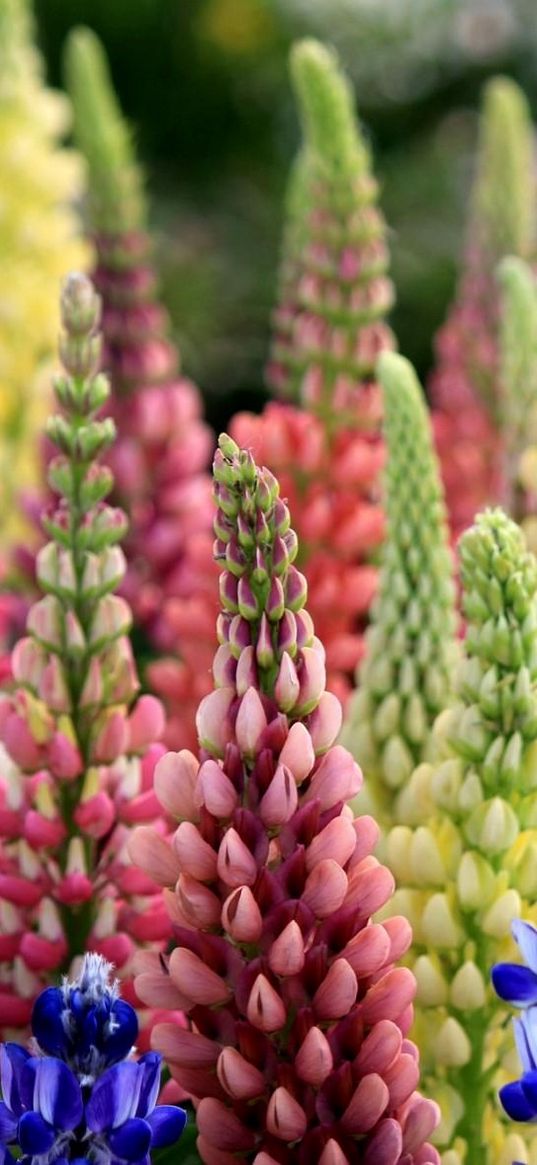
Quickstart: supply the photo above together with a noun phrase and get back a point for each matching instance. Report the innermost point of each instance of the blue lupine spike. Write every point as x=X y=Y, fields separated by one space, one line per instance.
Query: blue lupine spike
x=516 y=984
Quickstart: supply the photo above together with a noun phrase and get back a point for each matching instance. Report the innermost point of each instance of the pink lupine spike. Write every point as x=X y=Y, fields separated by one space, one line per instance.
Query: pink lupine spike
x=292 y=979
x=155 y=855
x=187 y=1048
x=175 y=777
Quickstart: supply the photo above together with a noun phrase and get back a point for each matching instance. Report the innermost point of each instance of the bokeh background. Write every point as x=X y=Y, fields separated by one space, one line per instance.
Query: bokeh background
x=205 y=84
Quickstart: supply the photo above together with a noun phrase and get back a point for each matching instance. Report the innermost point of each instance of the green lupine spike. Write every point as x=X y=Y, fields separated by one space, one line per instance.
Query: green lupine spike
x=464 y=851
x=504 y=203
x=406 y=677
x=333 y=290
x=103 y=136
x=518 y=353
x=326 y=104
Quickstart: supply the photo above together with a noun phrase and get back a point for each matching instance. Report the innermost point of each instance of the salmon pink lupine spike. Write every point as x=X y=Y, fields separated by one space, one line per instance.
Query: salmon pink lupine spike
x=518 y=371
x=162 y=453
x=464 y=851
x=325 y=443
x=465 y=388
x=78 y=751
x=298 y=1046
x=407 y=675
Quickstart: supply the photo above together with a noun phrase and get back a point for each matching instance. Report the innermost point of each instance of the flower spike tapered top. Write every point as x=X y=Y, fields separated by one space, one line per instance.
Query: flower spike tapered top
x=465 y=851
x=75 y=1096
x=298 y=1046
x=407 y=676
x=162 y=453
x=78 y=752
x=465 y=388
x=518 y=369
x=329 y=328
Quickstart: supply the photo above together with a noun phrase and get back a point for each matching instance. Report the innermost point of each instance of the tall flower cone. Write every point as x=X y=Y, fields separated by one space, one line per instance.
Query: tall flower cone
x=297 y=1050
x=465 y=386
x=465 y=850
x=78 y=750
x=518 y=369
x=40 y=180
x=406 y=678
x=163 y=448
x=329 y=328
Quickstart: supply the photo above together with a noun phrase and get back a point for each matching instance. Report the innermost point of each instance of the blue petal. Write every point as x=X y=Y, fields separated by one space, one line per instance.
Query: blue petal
x=35 y=1135
x=57 y=1094
x=522 y=1040
x=118 y=1042
x=132 y=1141
x=150 y=1076
x=12 y=1061
x=167 y=1123
x=47 y=1024
x=525 y=934
x=515 y=1103
x=8 y=1124
x=515 y=983
x=114 y=1097
x=529 y=1088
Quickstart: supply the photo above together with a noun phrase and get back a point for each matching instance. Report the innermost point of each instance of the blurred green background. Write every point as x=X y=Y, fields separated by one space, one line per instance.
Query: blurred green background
x=205 y=84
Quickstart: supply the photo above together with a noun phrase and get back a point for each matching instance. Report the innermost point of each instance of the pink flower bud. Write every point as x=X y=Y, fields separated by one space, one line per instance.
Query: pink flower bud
x=388 y=998
x=285 y=1118
x=215 y=790
x=27 y=661
x=93 y=690
x=399 y=933
x=194 y=855
x=264 y=650
x=251 y=723
x=224 y=667
x=336 y=841
x=368 y=951
x=96 y=815
x=212 y=720
x=112 y=619
x=198 y=903
x=64 y=757
x=246 y=671
x=280 y=800
x=381 y=1047
x=241 y=916
x=45 y=623
x=297 y=753
x=287 y=686
x=175 y=780
x=265 y=1010
x=146 y=723
x=43 y=831
x=420 y=1120
x=223 y=1128
x=155 y=856
x=367 y=1105
x=325 y=888
x=337 y=993
x=314 y=1060
x=20 y=744
x=401 y=1078
x=195 y=980
x=337 y=778
x=386 y=1144
x=286 y=955
x=370 y=886
x=184 y=1047
x=332 y=1154
x=239 y=1078
x=275 y=604
x=111 y=738
x=236 y=864
x=324 y=723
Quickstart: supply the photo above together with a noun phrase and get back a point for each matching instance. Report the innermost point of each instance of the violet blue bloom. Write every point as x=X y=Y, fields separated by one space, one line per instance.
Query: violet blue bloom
x=514 y=982
x=88 y=1104
x=517 y=984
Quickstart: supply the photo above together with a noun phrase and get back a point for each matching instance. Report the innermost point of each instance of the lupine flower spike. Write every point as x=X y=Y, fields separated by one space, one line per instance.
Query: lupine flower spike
x=518 y=369
x=329 y=328
x=38 y=243
x=78 y=753
x=465 y=387
x=163 y=448
x=517 y=984
x=298 y=1050
x=75 y=1095
x=407 y=674
x=465 y=851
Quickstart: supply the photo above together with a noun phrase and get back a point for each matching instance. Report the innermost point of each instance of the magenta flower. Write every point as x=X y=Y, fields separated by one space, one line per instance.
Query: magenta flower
x=298 y=1047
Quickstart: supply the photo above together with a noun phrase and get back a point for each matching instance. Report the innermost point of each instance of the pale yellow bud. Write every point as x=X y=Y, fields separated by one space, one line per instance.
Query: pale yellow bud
x=438 y=924
x=493 y=826
x=397 y=762
x=497 y=921
x=452 y=1157
x=451 y=1112
x=453 y=1048
x=446 y=783
x=514 y=1148
x=426 y=860
x=398 y=853
x=386 y=720
x=414 y=804
x=468 y=991
x=470 y=793
x=432 y=986
x=475 y=882
x=409 y=903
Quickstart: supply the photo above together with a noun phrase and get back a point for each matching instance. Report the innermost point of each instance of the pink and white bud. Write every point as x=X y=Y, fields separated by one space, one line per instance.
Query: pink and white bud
x=266 y=1010
x=338 y=778
x=285 y=1117
x=297 y=753
x=154 y=855
x=175 y=780
x=236 y=864
x=241 y=916
x=146 y=724
x=287 y=954
x=312 y=676
x=194 y=855
x=287 y=686
x=325 y=888
x=280 y=800
x=324 y=723
x=198 y=904
x=337 y=993
x=213 y=724
x=239 y=1078
x=335 y=842
x=246 y=671
x=251 y=723
x=332 y=1154
x=215 y=790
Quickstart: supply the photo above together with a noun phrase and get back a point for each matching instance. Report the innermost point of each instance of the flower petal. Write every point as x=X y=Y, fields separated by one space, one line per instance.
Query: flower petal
x=515 y=983
x=8 y=1124
x=150 y=1077
x=114 y=1097
x=57 y=1094
x=523 y=1040
x=167 y=1123
x=35 y=1136
x=514 y=1102
x=529 y=1088
x=124 y=1023
x=132 y=1141
x=12 y=1061
x=47 y=1023
x=525 y=934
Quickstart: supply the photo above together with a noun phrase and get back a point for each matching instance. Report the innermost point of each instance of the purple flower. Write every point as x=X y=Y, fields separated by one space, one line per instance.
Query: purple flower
x=517 y=984
x=514 y=982
x=121 y=1116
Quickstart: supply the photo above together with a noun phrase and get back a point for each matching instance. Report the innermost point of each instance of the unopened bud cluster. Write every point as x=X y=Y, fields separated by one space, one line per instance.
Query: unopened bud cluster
x=464 y=853
x=298 y=1047
x=78 y=753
